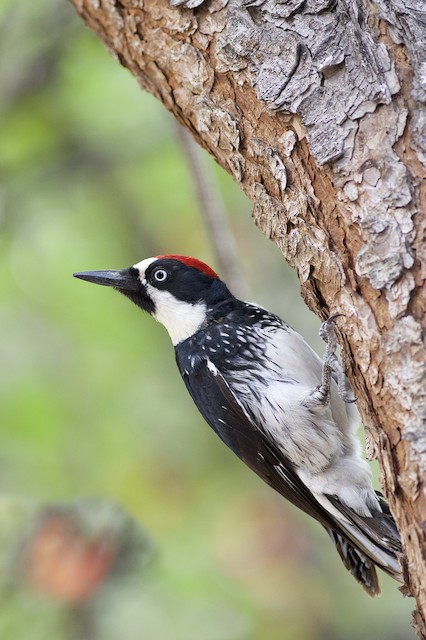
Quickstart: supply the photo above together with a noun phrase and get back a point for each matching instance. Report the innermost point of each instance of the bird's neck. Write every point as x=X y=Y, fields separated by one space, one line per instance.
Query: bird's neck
x=221 y=309
x=181 y=319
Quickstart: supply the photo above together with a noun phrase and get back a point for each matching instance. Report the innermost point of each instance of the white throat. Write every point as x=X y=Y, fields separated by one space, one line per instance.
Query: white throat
x=181 y=319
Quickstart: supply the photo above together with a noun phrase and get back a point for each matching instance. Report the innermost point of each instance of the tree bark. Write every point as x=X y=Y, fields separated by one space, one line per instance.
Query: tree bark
x=317 y=109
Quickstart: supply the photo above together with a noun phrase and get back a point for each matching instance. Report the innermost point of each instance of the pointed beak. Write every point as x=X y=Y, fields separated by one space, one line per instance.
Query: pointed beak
x=125 y=280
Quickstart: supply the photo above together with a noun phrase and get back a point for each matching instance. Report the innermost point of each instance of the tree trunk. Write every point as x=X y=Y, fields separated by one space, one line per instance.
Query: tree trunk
x=316 y=107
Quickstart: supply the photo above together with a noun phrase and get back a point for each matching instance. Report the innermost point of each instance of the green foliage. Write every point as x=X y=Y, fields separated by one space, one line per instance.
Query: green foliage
x=90 y=402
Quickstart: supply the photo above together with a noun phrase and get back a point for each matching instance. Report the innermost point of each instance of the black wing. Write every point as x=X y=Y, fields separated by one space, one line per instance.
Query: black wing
x=224 y=413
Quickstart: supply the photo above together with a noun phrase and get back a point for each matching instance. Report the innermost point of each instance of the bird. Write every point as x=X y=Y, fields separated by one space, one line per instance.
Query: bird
x=272 y=400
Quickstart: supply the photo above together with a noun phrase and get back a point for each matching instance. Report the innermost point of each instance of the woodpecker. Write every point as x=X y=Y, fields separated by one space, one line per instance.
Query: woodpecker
x=270 y=398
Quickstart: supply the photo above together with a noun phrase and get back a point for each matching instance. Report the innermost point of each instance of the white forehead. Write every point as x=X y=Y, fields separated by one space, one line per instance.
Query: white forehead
x=143 y=265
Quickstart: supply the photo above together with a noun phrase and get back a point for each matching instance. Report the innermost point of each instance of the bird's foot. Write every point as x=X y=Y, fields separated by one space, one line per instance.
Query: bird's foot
x=331 y=362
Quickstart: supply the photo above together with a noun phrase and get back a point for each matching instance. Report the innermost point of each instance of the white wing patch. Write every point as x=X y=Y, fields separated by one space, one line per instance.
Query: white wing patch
x=211 y=367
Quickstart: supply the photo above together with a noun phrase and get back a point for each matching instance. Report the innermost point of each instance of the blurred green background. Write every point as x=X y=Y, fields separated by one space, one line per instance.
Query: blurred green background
x=92 y=176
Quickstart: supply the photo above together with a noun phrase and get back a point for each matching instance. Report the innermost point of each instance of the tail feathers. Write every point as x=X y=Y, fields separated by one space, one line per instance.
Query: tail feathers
x=377 y=535
x=357 y=563
x=391 y=533
x=366 y=542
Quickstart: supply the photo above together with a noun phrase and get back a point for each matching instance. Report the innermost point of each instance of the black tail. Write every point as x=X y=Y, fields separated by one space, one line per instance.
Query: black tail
x=366 y=543
x=357 y=563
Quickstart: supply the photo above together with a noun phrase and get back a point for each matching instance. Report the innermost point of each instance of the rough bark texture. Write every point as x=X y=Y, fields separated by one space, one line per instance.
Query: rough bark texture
x=316 y=108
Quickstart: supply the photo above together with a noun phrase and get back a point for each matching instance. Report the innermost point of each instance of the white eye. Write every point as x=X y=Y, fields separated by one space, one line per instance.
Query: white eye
x=160 y=275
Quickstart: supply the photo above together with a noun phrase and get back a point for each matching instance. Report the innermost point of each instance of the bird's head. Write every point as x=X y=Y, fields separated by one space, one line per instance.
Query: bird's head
x=176 y=290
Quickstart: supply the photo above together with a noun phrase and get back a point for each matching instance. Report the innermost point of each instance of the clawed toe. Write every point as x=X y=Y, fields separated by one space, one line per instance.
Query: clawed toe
x=327 y=327
x=347 y=396
x=330 y=361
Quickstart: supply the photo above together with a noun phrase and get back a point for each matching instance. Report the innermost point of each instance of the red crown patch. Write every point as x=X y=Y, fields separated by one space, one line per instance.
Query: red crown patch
x=192 y=262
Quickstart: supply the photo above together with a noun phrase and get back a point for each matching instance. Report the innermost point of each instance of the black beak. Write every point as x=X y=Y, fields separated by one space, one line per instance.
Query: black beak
x=125 y=280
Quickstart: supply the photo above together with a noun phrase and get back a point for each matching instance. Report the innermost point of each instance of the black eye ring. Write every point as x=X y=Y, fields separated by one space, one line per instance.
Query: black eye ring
x=160 y=275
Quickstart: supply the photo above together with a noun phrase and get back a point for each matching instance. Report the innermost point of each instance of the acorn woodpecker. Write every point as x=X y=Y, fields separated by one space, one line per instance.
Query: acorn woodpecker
x=271 y=399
